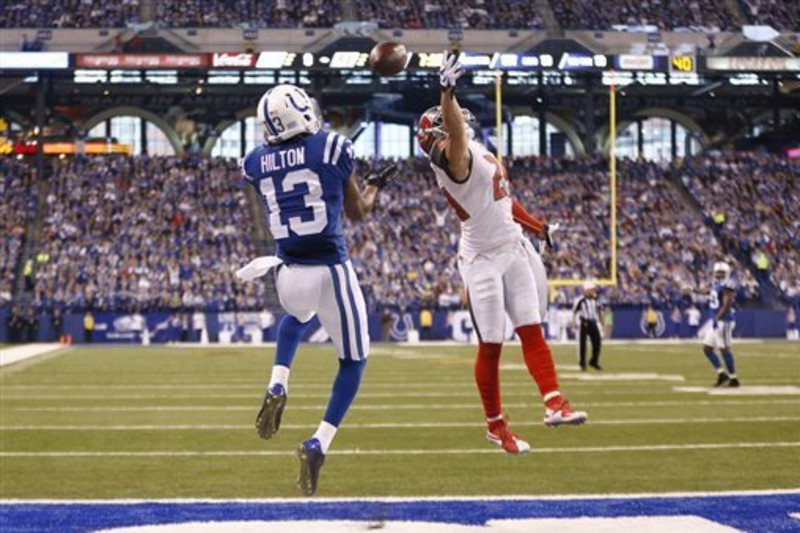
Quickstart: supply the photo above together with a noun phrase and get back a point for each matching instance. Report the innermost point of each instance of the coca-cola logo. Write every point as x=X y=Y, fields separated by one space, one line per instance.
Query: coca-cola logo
x=242 y=60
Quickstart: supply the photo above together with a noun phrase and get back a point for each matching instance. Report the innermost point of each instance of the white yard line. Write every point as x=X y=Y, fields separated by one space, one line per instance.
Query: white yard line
x=527 y=391
x=433 y=451
x=403 y=499
x=386 y=407
x=464 y=382
x=391 y=425
x=15 y=354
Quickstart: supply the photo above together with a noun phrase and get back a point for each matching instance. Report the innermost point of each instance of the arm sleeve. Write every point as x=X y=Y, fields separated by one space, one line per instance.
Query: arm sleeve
x=345 y=160
x=525 y=219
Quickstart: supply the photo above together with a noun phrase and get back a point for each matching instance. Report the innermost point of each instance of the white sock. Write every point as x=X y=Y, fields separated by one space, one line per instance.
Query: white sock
x=550 y=395
x=720 y=371
x=325 y=433
x=280 y=376
x=732 y=376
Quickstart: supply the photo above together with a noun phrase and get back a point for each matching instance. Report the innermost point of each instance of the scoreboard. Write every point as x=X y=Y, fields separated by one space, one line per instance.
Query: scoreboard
x=347 y=60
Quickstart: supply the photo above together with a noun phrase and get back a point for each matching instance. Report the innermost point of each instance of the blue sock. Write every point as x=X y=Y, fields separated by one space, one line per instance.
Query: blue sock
x=712 y=357
x=344 y=390
x=728 y=357
x=290 y=332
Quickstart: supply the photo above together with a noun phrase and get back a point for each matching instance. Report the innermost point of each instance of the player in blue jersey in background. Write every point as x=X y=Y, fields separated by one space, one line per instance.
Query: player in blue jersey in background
x=720 y=333
x=305 y=178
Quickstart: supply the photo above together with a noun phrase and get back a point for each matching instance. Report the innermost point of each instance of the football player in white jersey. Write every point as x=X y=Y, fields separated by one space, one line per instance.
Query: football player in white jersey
x=493 y=258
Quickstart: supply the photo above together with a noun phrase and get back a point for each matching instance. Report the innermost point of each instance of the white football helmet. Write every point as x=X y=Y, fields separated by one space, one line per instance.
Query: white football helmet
x=286 y=111
x=722 y=270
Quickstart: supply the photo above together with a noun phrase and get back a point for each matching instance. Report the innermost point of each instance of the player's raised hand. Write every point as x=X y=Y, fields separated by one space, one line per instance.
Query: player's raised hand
x=450 y=70
x=383 y=177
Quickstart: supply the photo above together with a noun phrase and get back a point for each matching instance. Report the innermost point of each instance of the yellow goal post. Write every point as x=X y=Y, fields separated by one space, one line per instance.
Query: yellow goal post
x=612 y=173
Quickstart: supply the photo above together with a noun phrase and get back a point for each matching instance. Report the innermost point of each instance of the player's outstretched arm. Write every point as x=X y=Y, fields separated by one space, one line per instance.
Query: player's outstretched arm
x=457 y=149
x=358 y=203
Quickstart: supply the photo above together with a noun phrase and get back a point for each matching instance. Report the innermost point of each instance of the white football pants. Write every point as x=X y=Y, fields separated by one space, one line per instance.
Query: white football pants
x=332 y=293
x=500 y=281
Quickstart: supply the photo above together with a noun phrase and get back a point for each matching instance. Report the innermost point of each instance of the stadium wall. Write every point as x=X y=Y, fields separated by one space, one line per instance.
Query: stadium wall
x=388 y=326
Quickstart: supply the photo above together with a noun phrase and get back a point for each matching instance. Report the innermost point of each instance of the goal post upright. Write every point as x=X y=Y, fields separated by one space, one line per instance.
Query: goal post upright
x=612 y=280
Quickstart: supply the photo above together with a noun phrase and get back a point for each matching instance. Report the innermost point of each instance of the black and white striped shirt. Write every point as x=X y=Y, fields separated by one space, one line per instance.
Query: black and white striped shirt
x=586 y=308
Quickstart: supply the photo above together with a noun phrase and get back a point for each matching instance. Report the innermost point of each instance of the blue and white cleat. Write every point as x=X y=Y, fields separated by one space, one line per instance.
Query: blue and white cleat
x=311 y=461
x=268 y=420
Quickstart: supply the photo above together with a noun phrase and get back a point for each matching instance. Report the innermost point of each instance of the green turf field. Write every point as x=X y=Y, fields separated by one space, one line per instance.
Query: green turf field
x=169 y=423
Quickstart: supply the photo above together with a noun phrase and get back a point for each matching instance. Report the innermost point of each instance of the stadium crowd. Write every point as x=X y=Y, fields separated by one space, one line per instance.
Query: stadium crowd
x=167 y=233
x=252 y=13
x=18 y=194
x=405 y=253
x=780 y=14
x=410 y=14
x=602 y=14
x=145 y=233
x=753 y=199
x=486 y=14
x=68 y=14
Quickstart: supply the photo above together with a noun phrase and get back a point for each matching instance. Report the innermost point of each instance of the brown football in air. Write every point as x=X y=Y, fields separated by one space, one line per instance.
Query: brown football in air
x=387 y=58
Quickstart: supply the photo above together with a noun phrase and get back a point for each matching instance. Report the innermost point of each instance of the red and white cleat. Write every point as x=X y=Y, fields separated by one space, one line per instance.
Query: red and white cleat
x=558 y=412
x=500 y=434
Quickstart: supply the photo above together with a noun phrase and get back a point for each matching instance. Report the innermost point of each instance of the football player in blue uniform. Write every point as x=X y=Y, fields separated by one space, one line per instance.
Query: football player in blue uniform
x=720 y=334
x=305 y=178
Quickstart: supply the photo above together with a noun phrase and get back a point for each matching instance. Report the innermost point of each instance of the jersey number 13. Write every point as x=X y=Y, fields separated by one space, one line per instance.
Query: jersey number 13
x=312 y=200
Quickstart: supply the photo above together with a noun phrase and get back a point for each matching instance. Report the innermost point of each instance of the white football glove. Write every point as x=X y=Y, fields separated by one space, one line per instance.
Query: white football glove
x=450 y=70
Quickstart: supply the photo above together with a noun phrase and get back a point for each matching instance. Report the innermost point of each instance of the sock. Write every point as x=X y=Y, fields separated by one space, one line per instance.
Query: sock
x=325 y=433
x=539 y=360
x=290 y=331
x=280 y=376
x=727 y=356
x=715 y=362
x=344 y=390
x=487 y=376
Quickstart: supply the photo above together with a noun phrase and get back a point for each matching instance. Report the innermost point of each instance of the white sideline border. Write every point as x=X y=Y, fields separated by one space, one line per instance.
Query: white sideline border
x=408 y=499
x=15 y=354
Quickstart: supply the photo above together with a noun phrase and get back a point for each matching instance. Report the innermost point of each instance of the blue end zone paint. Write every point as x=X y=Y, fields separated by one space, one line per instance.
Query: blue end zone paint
x=769 y=512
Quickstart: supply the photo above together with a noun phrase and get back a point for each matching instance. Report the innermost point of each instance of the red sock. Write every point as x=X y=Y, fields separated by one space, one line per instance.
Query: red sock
x=538 y=359
x=487 y=376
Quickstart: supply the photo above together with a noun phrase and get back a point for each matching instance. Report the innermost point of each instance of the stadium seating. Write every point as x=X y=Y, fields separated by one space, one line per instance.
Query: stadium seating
x=603 y=14
x=170 y=13
x=409 y=14
x=782 y=15
x=167 y=233
x=259 y=14
x=68 y=14
x=666 y=249
x=18 y=202
x=413 y=14
x=145 y=233
x=753 y=200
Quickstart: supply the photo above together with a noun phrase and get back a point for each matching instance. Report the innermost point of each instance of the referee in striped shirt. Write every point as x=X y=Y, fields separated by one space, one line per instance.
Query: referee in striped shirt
x=586 y=310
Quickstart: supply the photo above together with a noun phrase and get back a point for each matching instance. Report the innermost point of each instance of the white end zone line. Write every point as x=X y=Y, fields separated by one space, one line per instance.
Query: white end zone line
x=406 y=499
x=451 y=451
x=9 y=356
x=390 y=425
